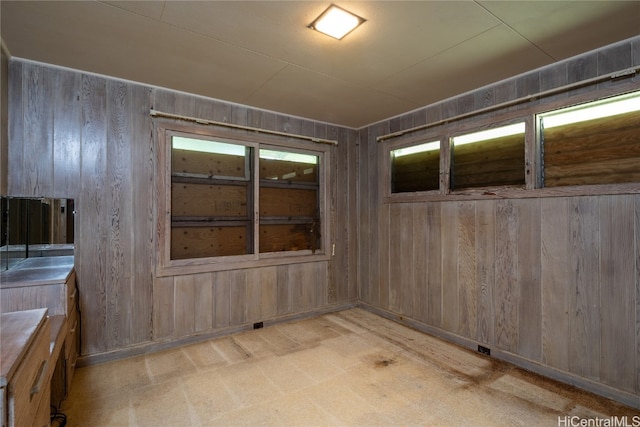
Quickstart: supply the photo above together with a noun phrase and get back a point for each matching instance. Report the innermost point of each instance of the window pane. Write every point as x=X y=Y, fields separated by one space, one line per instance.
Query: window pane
x=289 y=201
x=489 y=158
x=416 y=168
x=211 y=199
x=599 y=145
x=203 y=242
x=199 y=157
x=286 y=166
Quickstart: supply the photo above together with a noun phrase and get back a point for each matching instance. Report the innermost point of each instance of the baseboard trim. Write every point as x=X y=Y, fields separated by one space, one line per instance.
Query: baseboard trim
x=621 y=396
x=167 y=344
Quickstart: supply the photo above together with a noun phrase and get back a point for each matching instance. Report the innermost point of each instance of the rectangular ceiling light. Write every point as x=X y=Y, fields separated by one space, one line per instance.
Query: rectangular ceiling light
x=336 y=22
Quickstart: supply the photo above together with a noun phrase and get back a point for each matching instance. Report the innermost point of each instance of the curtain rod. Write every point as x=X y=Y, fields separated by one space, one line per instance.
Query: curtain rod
x=611 y=76
x=156 y=113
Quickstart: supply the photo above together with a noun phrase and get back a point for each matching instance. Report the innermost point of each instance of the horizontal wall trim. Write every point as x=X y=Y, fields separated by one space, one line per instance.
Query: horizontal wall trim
x=155 y=113
x=629 y=72
x=600 y=389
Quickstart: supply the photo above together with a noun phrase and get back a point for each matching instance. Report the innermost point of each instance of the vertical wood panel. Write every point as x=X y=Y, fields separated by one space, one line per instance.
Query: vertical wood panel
x=254 y=295
x=353 y=229
x=120 y=217
x=92 y=217
x=269 y=291
x=396 y=263
x=142 y=204
x=618 y=281
x=336 y=201
x=449 y=242
x=406 y=275
x=221 y=298
x=238 y=297
x=506 y=289
x=485 y=256
x=204 y=304
x=467 y=278
x=530 y=295
x=434 y=264
x=15 y=183
x=584 y=323
x=37 y=169
x=637 y=259
x=184 y=305
x=379 y=243
x=67 y=124
x=163 y=309
x=419 y=253
x=555 y=282
x=284 y=290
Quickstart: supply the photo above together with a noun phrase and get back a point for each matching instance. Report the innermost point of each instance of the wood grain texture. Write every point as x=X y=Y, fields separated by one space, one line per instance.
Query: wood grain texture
x=222 y=299
x=15 y=183
x=637 y=260
x=143 y=154
x=467 y=267
x=396 y=261
x=449 y=242
x=163 y=308
x=434 y=264
x=120 y=215
x=530 y=295
x=38 y=85
x=184 y=305
x=584 y=322
x=418 y=289
x=485 y=268
x=618 y=280
x=67 y=124
x=238 y=297
x=506 y=294
x=93 y=217
x=555 y=282
x=204 y=305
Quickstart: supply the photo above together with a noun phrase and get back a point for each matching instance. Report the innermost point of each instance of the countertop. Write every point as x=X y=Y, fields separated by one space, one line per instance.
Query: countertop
x=17 y=331
x=38 y=271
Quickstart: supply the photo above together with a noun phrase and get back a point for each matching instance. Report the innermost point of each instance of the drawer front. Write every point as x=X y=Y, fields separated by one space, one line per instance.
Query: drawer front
x=72 y=292
x=29 y=384
x=42 y=417
x=71 y=341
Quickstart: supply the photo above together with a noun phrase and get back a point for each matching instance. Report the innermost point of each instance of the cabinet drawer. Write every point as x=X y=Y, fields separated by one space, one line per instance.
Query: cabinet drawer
x=71 y=341
x=29 y=384
x=72 y=292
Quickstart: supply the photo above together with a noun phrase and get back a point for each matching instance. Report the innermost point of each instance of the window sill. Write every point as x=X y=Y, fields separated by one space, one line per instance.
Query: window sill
x=208 y=265
x=515 y=193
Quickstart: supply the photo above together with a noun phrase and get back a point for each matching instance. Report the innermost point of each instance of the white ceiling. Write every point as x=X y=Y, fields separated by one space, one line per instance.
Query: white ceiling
x=260 y=53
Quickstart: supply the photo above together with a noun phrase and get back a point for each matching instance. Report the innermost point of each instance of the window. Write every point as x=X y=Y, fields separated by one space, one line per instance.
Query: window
x=416 y=168
x=230 y=200
x=593 y=143
x=493 y=157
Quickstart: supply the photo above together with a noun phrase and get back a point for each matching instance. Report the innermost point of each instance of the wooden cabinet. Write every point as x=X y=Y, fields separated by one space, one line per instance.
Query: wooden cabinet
x=48 y=282
x=24 y=364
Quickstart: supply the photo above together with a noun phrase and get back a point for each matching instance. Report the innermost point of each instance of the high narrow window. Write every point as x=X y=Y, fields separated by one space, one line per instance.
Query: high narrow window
x=416 y=168
x=489 y=158
x=593 y=143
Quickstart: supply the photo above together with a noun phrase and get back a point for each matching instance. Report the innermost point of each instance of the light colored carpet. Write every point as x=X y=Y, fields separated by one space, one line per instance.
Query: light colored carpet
x=351 y=368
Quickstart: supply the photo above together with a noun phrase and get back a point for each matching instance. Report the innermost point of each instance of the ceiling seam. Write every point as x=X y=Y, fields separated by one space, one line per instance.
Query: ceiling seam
x=544 y=52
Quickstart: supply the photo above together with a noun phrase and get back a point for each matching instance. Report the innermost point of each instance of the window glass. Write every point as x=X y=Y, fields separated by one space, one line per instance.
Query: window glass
x=416 y=168
x=593 y=143
x=211 y=195
x=289 y=201
x=221 y=205
x=493 y=157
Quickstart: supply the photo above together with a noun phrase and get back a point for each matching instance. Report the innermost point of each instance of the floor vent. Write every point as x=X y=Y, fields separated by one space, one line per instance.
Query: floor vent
x=484 y=350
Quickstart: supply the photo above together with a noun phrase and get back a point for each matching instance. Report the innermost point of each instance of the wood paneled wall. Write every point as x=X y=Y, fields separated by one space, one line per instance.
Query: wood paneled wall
x=90 y=138
x=552 y=283
x=4 y=119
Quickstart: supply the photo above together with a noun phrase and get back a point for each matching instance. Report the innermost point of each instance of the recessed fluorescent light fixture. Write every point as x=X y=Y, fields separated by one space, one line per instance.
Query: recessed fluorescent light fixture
x=336 y=22
x=593 y=110
x=485 y=135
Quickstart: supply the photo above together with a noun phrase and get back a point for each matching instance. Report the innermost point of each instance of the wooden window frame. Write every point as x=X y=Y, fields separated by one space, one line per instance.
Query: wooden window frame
x=533 y=153
x=165 y=266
